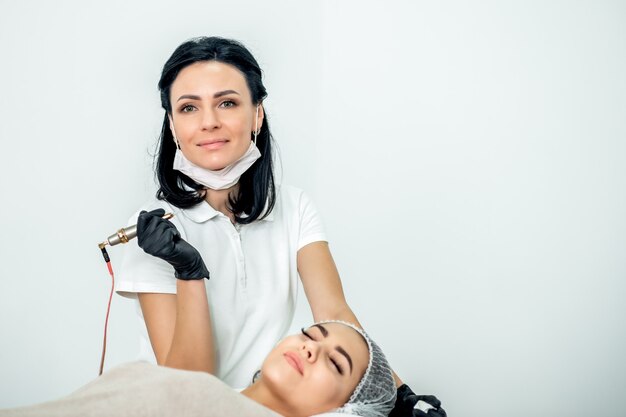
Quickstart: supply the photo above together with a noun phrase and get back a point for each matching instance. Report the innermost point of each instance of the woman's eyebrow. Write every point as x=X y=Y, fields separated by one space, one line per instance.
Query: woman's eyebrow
x=216 y=95
x=344 y=353
x=223 y=93
x=322 y=329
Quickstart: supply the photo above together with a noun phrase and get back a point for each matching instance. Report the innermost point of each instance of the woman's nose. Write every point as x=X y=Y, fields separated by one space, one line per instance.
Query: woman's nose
x=311 y=350
x=210 y=119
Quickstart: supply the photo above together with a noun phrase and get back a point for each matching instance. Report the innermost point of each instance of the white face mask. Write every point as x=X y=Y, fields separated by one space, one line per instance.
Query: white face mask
x=221 y=179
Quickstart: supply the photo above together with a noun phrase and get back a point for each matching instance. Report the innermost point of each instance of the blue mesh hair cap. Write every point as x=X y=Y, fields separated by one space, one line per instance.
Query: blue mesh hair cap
x=375 y=394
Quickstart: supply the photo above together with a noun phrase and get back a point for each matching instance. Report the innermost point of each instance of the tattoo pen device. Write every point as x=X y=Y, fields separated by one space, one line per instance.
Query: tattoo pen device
x=122 y=236
x=125 y=234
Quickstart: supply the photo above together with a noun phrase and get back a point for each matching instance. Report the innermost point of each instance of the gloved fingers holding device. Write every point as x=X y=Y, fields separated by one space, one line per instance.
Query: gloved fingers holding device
x=408 y=404
x=159 y=237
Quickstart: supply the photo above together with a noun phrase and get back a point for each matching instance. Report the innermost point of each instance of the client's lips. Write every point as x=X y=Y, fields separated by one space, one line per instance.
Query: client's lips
x=295 y=361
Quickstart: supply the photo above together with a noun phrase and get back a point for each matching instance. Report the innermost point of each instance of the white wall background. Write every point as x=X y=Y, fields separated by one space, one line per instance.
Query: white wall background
x=469 y=160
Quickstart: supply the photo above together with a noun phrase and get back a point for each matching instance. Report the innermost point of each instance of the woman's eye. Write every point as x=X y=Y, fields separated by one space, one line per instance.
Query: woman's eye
x=187 y=108
x=228 y=103
x=305 y=333
x=337 y=366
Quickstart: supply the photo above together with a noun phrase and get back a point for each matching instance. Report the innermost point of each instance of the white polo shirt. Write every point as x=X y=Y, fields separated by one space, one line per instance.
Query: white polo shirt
x=254 y=279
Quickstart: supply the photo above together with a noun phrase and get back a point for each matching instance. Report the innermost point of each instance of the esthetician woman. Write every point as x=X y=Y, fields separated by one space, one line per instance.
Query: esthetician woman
x=252 y=239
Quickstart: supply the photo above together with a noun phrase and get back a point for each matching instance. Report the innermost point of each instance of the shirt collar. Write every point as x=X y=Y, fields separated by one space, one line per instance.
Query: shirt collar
x=203 y=212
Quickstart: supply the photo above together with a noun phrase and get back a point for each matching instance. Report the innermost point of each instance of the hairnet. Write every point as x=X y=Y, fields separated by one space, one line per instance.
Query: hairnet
x=375 y=394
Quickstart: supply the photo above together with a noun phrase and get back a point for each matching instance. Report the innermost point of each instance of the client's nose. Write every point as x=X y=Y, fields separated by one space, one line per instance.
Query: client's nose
x=311 y=349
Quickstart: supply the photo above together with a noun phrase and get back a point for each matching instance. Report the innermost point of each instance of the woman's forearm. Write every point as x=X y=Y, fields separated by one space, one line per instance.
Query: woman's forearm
x=192 y=342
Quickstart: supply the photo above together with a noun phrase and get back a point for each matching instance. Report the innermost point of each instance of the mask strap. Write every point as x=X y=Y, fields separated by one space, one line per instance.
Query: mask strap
x=256 y=124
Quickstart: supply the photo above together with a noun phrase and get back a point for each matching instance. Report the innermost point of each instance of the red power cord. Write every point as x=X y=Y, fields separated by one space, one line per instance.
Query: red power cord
x=106 y=320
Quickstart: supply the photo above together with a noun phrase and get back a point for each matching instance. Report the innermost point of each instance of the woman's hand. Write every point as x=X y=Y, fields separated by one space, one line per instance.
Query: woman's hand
x=160 y=238
x=407 y=404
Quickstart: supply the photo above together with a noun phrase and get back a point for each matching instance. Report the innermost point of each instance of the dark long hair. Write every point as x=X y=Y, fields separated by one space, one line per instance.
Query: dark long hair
x=257 y=193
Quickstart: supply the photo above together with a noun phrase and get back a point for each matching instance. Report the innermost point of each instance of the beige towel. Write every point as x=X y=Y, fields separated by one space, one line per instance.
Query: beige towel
x=141 y=389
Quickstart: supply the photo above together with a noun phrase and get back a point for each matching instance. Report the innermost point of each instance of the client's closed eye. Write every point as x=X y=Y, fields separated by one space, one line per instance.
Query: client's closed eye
x=339 y=368
x=304 y=332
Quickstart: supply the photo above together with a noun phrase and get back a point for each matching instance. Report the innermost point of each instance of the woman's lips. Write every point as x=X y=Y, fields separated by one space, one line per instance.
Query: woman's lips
x=294 y=360
x=216 y=144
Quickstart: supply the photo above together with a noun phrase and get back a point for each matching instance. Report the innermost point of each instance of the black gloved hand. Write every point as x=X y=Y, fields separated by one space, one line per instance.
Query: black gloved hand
x=159 y=237
x=406 y=400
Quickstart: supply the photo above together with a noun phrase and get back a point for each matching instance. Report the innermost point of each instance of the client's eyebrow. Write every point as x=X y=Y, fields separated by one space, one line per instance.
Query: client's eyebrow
x=337 y=348
x=216 y=95
x=322 y=329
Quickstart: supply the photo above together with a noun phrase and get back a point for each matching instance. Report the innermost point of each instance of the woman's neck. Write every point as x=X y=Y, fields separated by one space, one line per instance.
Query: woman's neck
x=263 y=395
x=218 y=199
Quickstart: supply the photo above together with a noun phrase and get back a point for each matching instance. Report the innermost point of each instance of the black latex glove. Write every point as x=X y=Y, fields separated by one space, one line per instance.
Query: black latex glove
x=159 y=237
x=407 y=399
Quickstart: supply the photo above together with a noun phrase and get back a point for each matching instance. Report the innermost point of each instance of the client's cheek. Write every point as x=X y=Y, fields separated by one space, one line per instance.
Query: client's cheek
x=331 y=391
x=277 y=372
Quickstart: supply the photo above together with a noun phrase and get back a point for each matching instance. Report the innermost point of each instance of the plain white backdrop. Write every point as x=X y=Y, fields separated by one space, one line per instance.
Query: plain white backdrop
x=468 y=158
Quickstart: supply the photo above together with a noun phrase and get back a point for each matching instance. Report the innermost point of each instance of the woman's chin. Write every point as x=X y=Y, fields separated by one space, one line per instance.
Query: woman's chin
x=279 y=377
x=212 y=165
x=211 y=162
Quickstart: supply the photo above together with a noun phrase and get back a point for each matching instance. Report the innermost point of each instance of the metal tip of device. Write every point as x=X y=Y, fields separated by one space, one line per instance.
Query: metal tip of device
x=103 y=244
